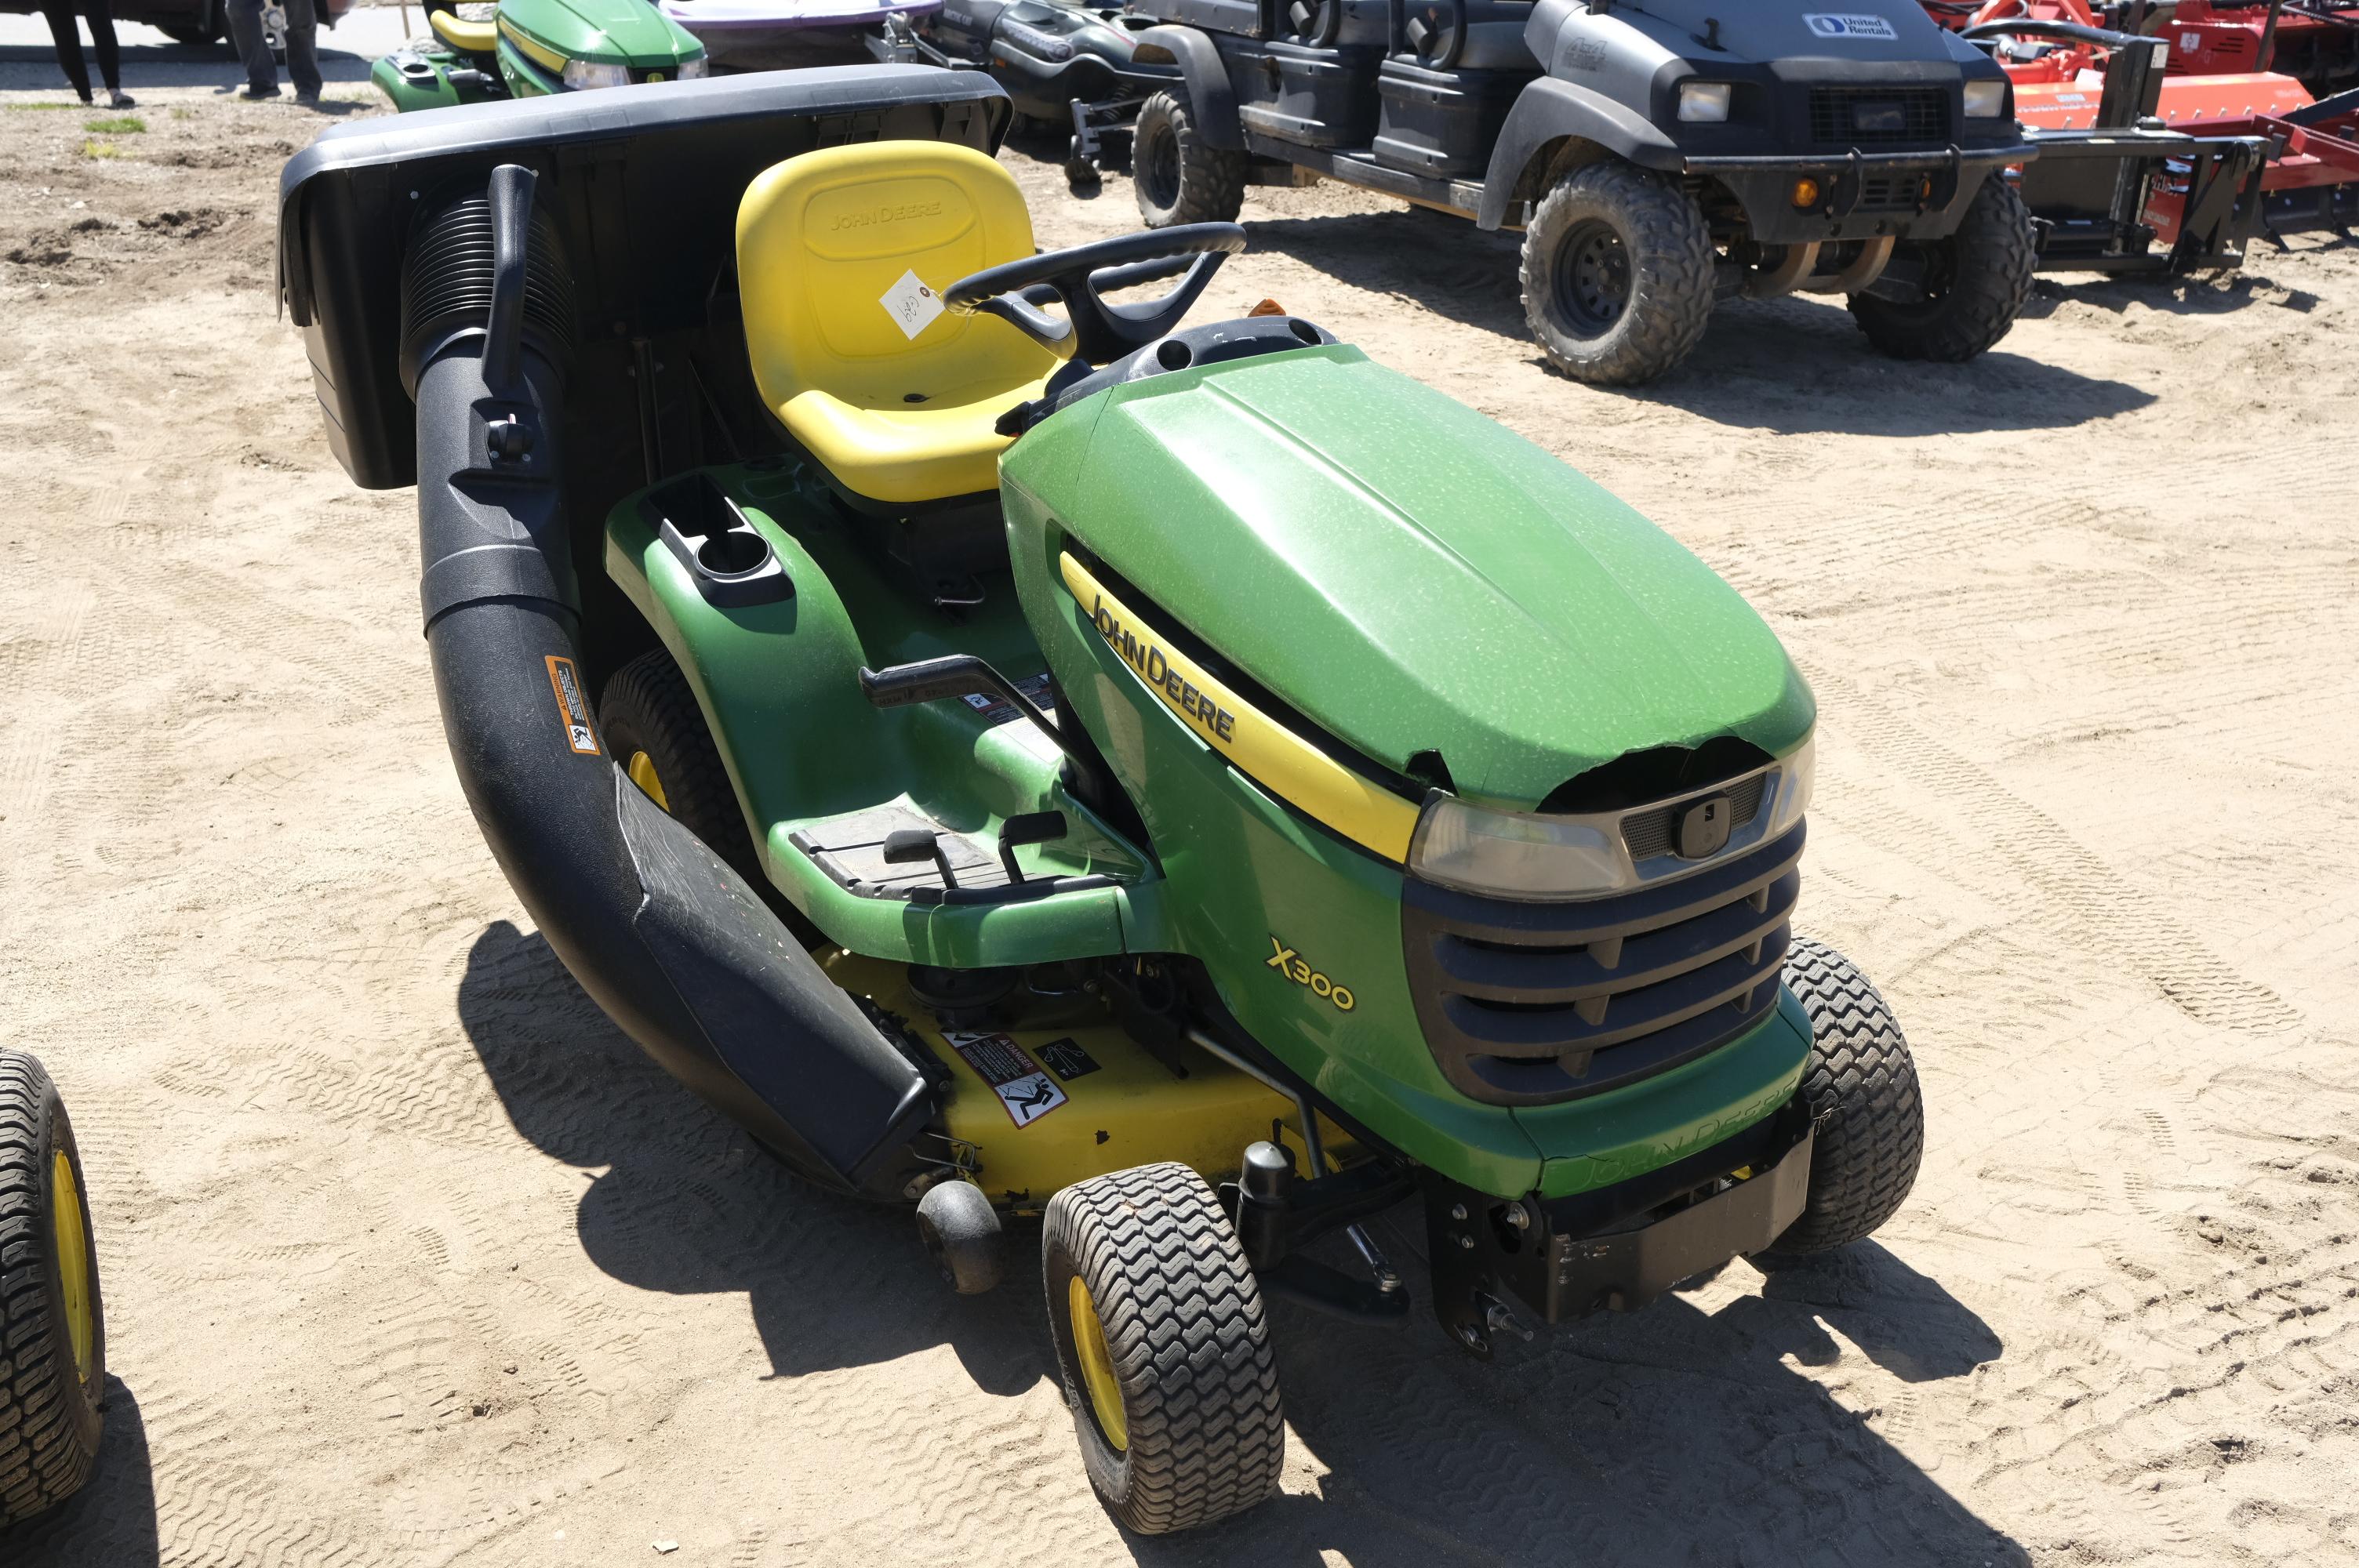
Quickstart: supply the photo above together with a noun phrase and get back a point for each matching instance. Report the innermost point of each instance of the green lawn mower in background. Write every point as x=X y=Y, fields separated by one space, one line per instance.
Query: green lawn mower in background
x=523 y=49
x=1020 y=755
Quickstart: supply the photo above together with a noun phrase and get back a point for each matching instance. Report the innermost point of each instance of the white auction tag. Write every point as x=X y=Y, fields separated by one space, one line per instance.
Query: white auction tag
x=911 y=304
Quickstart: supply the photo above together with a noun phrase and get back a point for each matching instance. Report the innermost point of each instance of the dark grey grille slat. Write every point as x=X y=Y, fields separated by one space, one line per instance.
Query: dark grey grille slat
x=1529 y=1003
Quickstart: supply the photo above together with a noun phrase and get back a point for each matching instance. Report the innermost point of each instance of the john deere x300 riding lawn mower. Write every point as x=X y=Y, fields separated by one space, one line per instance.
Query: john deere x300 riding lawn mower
x=1018 y=754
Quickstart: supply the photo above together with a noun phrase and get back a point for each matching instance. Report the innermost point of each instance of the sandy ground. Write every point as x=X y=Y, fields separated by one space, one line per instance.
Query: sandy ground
x=411 y=1259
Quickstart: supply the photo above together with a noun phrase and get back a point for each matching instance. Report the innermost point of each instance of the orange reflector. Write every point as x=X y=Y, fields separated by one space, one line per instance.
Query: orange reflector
x=1268 y=308
x=1806 y=192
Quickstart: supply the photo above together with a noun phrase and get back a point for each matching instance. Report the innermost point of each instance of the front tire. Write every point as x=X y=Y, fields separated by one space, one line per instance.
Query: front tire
x=1175 y=176
x=1164 y=1344
x=1616 y=274
x=1974 y=282
x=52 y=1323
x=1859 y=1088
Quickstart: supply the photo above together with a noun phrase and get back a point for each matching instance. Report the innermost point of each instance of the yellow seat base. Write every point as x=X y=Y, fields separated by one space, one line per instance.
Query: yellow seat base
x=841 y=257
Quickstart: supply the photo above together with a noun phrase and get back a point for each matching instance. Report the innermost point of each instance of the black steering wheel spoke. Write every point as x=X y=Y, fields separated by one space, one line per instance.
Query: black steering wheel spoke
x=1097 y=330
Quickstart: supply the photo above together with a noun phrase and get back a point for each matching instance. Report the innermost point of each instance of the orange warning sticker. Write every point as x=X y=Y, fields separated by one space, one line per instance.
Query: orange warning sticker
x=572 y=707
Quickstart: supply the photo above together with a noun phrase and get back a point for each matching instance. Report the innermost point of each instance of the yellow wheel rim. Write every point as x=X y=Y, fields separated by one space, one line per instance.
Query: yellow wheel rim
x=73 y=1264
x=1097 y=1365
x=642 y=769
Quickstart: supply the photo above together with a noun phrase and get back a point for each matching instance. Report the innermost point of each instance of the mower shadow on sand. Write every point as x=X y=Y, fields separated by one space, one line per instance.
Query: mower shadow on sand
x=1603 y=1444
x=1744 y=373
x=112 y=1518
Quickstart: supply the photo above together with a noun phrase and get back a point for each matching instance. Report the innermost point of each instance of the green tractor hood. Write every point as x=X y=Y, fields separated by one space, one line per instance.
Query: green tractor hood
x=602 y=32
x=1412 y=577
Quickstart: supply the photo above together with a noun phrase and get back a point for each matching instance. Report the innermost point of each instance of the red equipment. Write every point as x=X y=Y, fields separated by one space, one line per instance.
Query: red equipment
x=2251 y=150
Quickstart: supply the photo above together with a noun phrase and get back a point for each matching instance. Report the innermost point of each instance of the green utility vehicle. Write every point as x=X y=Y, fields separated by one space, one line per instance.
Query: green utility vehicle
x=522 y=48
x=1020 y=755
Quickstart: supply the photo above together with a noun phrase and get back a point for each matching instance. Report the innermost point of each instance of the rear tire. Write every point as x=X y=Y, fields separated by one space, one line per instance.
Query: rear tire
x=1975 y=282
x=1158 y=1324
x=52 y=1322
x=1616 y=274
x=656 y=731
x=1175 y=176
x=1860 y=1087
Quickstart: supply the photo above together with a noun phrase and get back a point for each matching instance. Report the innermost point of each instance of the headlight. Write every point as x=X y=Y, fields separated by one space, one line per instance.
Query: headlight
x=1704 y=100
x=1986 y=100
x=689 y=69
x=1477 y=850
x=1514 y=854
x=582 y=74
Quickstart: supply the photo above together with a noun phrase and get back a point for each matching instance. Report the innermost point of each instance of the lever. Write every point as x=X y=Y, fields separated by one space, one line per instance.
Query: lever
x=908 y=846
x=965 y=674
x=1031 y=827
x=511 y=200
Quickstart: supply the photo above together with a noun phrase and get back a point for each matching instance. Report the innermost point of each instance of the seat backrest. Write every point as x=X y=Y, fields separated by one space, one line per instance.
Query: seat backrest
x=467 y=37
x=824 y=240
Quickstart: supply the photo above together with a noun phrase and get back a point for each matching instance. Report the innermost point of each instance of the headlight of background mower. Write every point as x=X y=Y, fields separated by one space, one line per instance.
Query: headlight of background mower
x=580 y=74
x=1706 y=102
x=1986 y=100
x=689 y=69
x=1510 y=854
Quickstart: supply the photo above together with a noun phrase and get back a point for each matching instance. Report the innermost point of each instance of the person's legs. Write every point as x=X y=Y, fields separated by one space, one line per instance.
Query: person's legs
x=101 y=37
x=303 y=49
x=61 y=17
x=253 y=47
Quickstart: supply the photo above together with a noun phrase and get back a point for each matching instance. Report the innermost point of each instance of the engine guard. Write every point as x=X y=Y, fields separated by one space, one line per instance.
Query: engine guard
x=1617 y=1249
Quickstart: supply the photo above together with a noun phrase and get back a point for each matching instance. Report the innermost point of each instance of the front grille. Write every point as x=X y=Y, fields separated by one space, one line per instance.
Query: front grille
x=1525 y=1003
x=1650 y=832
x=1867 y=116
x=1889 y=192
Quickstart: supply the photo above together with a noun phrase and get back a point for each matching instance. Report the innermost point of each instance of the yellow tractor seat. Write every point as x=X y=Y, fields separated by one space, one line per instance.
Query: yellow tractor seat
x=467 y=37
x=843 y=256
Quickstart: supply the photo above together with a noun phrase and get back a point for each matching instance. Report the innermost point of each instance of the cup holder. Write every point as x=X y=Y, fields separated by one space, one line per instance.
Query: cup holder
x=733 y=554
x=726 y=556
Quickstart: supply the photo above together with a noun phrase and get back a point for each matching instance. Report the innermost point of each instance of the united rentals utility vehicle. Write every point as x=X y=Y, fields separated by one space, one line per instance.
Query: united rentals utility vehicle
x=1018 y=754
x=1659 y=157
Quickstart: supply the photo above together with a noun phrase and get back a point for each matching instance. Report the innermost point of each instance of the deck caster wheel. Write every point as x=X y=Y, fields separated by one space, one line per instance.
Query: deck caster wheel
x=1165 y=1348
x=961 y=1230
x=52 y=1327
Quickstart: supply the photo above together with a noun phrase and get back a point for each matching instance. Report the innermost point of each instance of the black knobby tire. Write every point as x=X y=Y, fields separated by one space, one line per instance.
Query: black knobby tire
x=1616 y=274
x=648 y=707
x=1175 y=176
x=1860 y=1087
x=52 y=1404
x=1975 y=282
x=1189 y=1342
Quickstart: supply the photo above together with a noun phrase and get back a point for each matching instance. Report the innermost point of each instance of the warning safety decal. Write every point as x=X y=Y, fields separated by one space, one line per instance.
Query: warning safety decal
x=572 y=707
x=1024 y=1091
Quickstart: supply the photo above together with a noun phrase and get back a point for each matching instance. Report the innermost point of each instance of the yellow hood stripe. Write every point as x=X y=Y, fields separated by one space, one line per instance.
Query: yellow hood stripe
x=533 y=50
x=1266 y=751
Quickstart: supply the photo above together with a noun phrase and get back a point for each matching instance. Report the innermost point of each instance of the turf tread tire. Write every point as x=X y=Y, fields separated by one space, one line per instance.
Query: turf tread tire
x=1189 y=1336
x=49 y=1420
x=1859 y=1088
x=1992 y=279
x=1671 y=274
x=1212 y=179
x=649 y=707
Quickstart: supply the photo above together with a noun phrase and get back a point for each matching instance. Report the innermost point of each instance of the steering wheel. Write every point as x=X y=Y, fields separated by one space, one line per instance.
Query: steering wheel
x=1099 y=331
